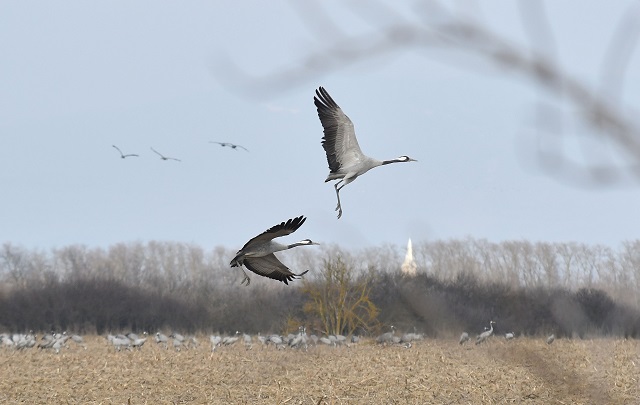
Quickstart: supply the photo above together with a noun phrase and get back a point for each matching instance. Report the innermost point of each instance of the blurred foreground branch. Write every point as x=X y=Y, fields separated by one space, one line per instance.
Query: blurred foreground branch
x=433 y=27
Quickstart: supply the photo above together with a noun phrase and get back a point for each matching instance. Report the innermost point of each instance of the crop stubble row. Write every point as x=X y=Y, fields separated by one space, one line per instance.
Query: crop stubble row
x=432 y=371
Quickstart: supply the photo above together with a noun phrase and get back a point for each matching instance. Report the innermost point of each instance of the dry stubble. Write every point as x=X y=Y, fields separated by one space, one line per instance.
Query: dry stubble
x=432 y=371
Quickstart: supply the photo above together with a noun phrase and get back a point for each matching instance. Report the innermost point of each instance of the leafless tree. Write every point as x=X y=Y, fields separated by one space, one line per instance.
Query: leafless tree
x=547 y=257
x=630 y=263
x=14 y=264
x=567 y=253
x=339 y=299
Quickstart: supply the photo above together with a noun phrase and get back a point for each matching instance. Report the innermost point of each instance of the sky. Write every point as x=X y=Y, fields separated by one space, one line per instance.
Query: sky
x=77 y=77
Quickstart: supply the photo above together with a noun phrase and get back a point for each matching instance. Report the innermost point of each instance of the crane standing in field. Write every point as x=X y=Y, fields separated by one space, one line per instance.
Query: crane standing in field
x=215 y=341
x=485 y=335
x=463 y=338
x=258 y=256
x=346 y=160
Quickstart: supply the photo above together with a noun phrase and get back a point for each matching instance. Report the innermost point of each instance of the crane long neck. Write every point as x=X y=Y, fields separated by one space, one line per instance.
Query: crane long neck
x=296 y=244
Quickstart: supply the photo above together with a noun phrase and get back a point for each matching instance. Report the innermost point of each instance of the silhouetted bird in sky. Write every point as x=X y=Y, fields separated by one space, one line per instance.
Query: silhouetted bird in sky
x=122 y=155
x=163 y=157
x=230 y=145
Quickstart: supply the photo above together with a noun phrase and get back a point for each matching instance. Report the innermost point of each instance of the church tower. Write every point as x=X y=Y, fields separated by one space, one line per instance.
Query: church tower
x=409 y=266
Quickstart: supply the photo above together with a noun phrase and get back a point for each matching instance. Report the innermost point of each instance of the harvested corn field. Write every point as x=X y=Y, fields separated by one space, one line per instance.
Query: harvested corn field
x=430 y=372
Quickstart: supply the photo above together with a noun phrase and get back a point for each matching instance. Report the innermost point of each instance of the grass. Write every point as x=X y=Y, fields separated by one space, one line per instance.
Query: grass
x=603 y=371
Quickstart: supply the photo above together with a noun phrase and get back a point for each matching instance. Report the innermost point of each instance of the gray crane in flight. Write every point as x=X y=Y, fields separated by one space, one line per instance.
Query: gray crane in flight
x=258 y=256
x=122 y=155
x=163 y=157
x=346 y=160
x=230 y=145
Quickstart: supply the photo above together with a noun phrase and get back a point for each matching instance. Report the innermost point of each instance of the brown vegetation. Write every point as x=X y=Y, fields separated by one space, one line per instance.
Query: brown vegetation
x=340 y=300
x=432 y=371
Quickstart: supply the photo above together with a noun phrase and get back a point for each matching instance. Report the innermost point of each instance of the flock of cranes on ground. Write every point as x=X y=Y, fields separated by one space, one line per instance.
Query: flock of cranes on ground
x=390 y=338
x=53 y=341
x=488 y=332
x=346 y=163
x=176 y=341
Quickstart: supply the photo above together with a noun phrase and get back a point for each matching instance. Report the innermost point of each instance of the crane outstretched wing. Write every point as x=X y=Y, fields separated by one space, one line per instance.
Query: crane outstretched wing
x=339 y=141
x=282 y=229
x=269 y=266
x=122 y=155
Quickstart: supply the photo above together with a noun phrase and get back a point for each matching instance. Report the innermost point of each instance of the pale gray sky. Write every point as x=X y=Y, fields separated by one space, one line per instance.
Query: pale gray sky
x=77 y=77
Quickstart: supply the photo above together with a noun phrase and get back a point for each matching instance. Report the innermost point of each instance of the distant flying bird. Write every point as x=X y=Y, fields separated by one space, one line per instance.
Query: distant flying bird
x=346 y=160
x=122 y=155
x=165 y=157
x=231 y=145
x=257 y=254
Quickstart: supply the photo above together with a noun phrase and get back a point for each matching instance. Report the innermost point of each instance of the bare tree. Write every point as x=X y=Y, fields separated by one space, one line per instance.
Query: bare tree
x=340 y=299
x=381 y=258
x=14 y=264
x=127 y=263
x=547 y=258
x=567 y=253
x=511 y=263
x=588 y=264
x=629 y=262
x=71 y=262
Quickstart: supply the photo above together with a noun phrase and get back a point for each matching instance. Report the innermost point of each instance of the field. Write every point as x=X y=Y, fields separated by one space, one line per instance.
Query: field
x=602 y=371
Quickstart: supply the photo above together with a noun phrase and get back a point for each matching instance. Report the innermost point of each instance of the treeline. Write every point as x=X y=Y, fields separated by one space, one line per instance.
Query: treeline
x=439 y=308
x=534 y=265
x=568 y=289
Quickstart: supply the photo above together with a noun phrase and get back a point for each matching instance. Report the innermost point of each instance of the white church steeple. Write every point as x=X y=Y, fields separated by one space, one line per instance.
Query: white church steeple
x=409 y=266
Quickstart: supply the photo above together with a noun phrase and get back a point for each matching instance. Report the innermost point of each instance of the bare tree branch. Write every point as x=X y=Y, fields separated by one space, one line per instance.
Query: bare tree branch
x=616 y=60
x=434 y=27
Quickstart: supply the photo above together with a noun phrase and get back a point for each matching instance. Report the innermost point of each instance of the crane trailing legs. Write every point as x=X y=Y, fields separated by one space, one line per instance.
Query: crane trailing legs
x=345 y=158
x=258 y=256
